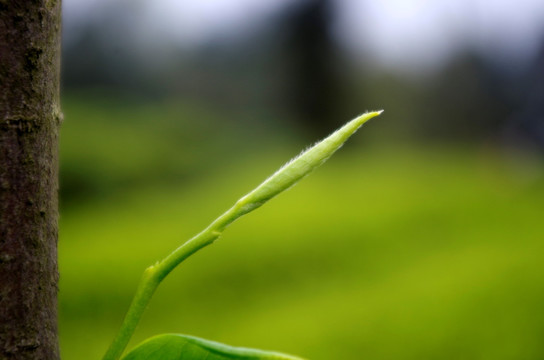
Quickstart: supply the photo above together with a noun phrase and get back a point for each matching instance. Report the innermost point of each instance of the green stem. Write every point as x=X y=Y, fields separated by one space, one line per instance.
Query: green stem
x=154 y=274
x=284 y=178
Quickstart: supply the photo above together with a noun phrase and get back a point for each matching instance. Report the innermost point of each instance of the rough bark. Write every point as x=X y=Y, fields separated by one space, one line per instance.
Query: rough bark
x=29 y=120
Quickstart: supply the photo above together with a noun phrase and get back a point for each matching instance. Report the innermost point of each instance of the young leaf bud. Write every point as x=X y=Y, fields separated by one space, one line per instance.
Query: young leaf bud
x=302 y=165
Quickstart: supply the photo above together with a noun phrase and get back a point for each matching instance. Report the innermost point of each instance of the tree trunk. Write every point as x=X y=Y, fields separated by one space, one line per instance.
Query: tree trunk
x=29 y=121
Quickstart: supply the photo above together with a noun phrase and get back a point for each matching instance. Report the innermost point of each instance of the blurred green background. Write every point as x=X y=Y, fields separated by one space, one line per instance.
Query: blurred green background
x=420 y=239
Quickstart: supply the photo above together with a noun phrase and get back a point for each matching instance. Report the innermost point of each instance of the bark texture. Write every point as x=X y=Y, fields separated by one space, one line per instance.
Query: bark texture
x=29 y=121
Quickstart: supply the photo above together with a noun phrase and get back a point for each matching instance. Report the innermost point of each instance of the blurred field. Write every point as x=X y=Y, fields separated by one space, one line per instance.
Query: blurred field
x=388 y=251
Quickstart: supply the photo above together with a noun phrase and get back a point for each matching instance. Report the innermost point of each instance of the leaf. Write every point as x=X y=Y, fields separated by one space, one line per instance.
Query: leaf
x=302 y=165
x=185 y=347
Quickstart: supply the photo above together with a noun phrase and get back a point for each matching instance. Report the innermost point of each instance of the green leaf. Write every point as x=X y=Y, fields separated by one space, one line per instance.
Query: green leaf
x=184 y=347
x=302 y=165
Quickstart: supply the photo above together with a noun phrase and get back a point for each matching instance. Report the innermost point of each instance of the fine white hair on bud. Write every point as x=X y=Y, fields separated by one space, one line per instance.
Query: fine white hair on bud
x=302 y=165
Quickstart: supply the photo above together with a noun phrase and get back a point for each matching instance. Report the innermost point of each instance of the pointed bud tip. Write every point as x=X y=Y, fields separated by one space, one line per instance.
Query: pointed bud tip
x=375 y=113
x=367 y=116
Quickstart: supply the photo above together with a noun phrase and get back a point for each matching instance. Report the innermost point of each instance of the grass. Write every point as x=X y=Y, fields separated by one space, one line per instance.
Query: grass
x=397 y=253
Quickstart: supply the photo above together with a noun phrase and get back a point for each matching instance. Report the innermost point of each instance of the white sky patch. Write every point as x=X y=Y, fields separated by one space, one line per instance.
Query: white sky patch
x=187 y=22
x=421 y=33
x=398 y=33
x=197 y=21
x=511 y=27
